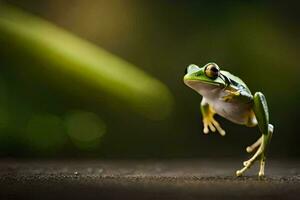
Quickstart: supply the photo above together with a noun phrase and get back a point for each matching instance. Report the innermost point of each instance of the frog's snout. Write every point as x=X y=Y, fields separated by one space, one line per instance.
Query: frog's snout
x=191 y=69
x=186 y=70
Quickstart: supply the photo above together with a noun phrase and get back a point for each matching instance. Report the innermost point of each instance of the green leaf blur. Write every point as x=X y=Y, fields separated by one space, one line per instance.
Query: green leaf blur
x=104 y=78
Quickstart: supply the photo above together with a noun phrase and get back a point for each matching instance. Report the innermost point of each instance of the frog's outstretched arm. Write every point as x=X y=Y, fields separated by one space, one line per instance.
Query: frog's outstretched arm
x=208 y=119
x=261 y=112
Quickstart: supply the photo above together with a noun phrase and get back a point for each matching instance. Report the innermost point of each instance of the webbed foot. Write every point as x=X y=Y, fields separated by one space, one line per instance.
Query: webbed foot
x=211 y=124
x=247 y=164
x=262 y=142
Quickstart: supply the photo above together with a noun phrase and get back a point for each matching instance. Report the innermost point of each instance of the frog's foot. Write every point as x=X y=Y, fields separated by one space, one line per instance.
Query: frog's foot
x=262 y=142
x=230 y=95
x=258 y=155
x=247 y=164
x=210 y=123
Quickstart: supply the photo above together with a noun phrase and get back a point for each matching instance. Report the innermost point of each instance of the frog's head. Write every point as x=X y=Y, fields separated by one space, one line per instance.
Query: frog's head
x=204 y=79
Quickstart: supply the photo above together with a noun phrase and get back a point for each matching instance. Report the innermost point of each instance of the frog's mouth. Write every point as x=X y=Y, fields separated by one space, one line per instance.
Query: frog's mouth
x=204 y=88
x=189 y=82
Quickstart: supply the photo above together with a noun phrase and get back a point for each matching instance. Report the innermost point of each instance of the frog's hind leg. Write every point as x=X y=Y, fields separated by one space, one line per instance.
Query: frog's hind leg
x=208 y=119
x=252 y=122
x=261 y=112
x=262 y=142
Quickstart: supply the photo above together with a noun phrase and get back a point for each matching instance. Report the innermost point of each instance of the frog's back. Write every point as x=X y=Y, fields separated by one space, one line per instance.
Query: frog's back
x=236 y=81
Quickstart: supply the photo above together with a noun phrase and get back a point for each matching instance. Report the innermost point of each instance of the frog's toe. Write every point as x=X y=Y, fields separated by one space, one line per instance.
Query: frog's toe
x=218 y=127
x=211 y=126
x=205 y=129
x=249 y=149
x=205 y=124
x=208 y=126
x=261 y=172
x=239 y=173
x=254 y=146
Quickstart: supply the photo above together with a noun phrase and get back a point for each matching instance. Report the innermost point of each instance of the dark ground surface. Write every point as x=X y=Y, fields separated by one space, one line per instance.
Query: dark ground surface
x=146 y=179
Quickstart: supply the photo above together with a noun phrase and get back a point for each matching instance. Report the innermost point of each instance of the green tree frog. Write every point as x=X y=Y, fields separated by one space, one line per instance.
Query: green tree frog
x=228 y=96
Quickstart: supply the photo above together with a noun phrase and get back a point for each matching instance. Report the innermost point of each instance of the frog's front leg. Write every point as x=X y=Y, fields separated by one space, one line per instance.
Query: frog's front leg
x=233 y=94
x=208 y=118
x=260 y=109
x=230 y=95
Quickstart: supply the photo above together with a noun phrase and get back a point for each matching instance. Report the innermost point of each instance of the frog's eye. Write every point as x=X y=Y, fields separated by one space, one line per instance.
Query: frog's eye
x=212 y=71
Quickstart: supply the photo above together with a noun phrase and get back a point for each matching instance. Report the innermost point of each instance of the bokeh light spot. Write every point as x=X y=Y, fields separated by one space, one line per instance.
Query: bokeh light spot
x=85 y=129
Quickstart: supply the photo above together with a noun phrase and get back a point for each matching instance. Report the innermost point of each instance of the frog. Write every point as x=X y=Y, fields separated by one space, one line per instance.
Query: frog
x=228 y=96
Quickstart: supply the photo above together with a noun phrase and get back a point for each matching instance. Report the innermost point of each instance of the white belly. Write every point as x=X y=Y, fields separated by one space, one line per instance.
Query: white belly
x=235 y=111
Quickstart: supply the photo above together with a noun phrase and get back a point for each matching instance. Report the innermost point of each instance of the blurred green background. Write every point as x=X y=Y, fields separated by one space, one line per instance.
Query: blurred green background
x=55 y=101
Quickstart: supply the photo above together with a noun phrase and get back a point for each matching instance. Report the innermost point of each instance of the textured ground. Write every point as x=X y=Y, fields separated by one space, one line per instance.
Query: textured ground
x=147 y=179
